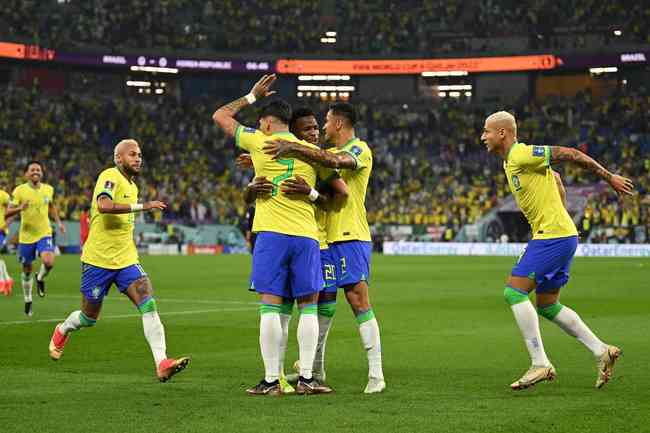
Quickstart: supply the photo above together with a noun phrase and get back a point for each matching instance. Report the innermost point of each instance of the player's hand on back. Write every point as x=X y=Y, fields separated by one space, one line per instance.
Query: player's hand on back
x=261 y=88
x=261 y=185
x=278 y=147
x=23 y=206
x=622 y=185
x=244 y=161
x=151 y=205
x=297 y=186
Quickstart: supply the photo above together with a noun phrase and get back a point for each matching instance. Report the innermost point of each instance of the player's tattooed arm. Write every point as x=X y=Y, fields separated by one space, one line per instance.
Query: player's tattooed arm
x=224 y=117
x=620 y=184
x=279 y=148
x=106 y=205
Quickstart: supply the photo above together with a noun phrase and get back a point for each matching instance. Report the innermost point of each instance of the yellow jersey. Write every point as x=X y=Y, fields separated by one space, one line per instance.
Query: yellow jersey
x=350 y=222
x=110 y=243
x=35 y=220
x=322 y=215
x=531 y=180
x=278 y=212
x=4 y=202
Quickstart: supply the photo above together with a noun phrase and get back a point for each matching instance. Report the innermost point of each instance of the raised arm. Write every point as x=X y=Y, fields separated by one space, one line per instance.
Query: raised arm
x=224 y=117
x=620 y=184
x=106 y=205
x=279 y=148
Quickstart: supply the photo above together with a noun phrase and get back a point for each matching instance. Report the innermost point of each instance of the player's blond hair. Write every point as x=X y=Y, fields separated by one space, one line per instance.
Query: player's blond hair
x=503 y=119
x=119 y=146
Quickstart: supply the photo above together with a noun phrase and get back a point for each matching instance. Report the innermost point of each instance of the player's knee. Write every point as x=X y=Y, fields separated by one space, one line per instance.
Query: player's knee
x=514 y=296
x=549 y=311
x=148 y=305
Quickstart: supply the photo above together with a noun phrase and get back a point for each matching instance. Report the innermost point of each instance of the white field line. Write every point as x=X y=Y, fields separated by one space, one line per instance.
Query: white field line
x=163 y=300
x=125 y=316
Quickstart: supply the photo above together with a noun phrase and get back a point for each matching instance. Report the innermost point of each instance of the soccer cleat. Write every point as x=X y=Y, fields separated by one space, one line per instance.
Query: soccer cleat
x=3 y=288
x=606 y=363
x=170 y=366
x=265 y=388
x=285 y=385
x=28 y=309
x=374 y=386
x=40 y=287
x=57 y=343
x=311 y=386
x=535 y=374
x=9 y=286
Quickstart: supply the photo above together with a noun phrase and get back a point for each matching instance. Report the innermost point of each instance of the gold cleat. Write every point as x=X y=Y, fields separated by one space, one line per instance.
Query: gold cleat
x=534 y=375
x=606 y=365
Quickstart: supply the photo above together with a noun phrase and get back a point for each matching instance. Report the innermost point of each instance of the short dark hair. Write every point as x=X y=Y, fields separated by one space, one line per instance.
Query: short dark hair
x=299 y=113
x=279 y=109
x=346 y=110
x=33 y=161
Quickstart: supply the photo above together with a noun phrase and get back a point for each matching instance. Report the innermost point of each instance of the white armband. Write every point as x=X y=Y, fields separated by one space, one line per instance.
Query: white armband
x=137 y=207
x=250 y=98
x=313 y=195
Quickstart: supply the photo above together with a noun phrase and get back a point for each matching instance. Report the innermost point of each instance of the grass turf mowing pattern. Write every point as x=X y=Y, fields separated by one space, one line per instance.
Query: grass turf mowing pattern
x=450 y=346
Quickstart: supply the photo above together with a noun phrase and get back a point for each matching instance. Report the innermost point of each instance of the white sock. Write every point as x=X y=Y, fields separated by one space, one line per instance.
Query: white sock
x=528 y=323
x=4 y=275
x=154 y=332
x=371 y=341
x=75 y=321
x=324 y=325
x=270 y=340
x=42 y=272
x=307 y=339
x=27 y=286
x=572 y=324
x=284 y=322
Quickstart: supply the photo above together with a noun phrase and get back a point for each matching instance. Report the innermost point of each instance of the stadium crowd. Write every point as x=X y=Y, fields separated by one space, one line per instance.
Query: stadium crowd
x=429 y=165
x=432 y=26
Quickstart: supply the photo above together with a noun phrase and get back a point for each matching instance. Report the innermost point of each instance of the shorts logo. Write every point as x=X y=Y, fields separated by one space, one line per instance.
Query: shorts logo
x=95 y=292
x=356 y=150
x=538 y=150
x=109 y=185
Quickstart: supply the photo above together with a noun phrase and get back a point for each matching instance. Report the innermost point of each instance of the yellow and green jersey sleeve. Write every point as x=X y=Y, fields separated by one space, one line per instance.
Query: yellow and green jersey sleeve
x=110 y=243
x=531 y=181
x=4 y=203
x=35 y=219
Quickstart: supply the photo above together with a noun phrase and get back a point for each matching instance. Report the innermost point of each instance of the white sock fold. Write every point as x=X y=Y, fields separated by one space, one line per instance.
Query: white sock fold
x=528 y=323
x=307 y=341
x=371 y=340
x=270 y=340
x=4 y=275
x=42 y=272
x=27 y=283
x=154 y=332
x=72 y=323
x=572 y=324
x=285 y=319
x=324 y=325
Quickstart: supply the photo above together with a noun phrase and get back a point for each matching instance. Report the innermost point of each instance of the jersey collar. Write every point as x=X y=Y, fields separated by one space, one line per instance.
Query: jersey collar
x=352 y=140
x=510 y=150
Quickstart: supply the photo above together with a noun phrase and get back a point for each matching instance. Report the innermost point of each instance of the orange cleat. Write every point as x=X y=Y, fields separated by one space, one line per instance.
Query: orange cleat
x=170 y=366
x=57 y=343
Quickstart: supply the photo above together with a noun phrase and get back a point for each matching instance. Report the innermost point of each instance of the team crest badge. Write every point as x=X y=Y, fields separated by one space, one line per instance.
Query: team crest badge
x=95 y=293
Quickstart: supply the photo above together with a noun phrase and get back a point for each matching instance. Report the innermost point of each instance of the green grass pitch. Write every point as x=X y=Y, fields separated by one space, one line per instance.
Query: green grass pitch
x=450 y=347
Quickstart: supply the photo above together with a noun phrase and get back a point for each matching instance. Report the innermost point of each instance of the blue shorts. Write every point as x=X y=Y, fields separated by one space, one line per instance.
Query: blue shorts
x=547 y=261
x=352 y=259
x=3 y=238
x=96 y=281
x=329 y=271
x=27 y=252
x=286 y=266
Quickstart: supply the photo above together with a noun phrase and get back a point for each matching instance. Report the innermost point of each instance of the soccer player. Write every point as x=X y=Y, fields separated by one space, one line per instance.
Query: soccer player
x=34 y=201
x=6 y=282
x=305 y=127
x=349 y=234
x=110 y=257
x=544 y=265
x=286 y=262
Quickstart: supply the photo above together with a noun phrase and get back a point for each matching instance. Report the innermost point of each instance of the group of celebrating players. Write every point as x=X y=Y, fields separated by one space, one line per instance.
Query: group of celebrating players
x=312 y=240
